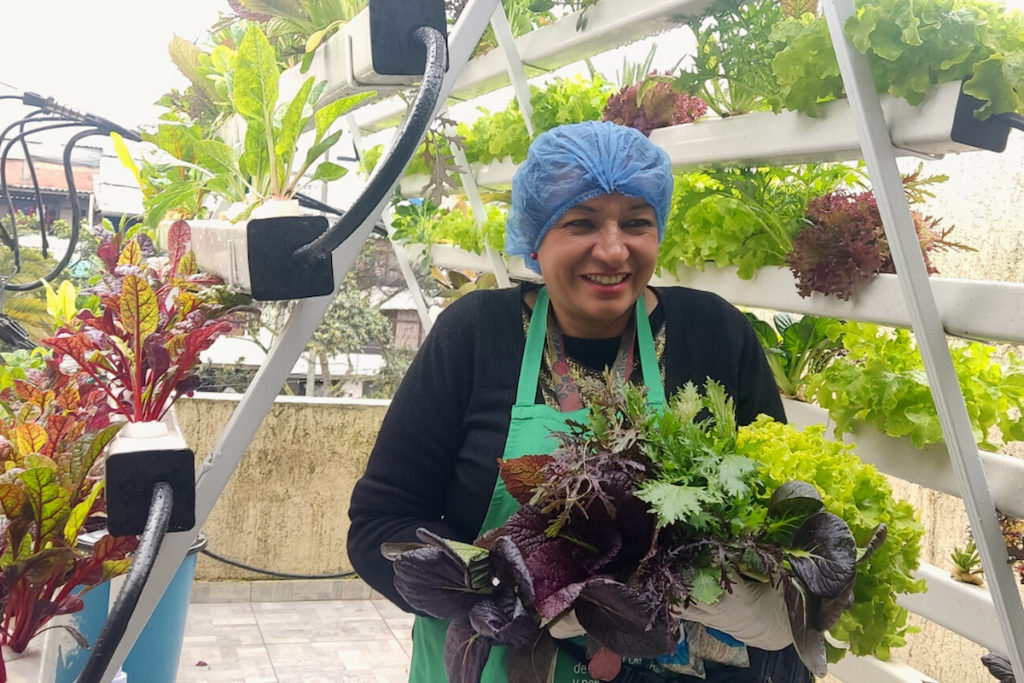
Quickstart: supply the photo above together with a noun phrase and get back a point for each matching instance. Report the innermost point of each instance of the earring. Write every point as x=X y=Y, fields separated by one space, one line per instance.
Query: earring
x=533 y=255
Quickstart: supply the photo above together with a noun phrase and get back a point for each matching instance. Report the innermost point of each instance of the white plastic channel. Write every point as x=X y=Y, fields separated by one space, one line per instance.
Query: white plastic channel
x=609 y=24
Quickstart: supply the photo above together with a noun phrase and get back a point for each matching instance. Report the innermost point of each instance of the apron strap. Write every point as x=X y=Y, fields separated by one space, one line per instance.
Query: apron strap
x=648 y=357
x=529 y=373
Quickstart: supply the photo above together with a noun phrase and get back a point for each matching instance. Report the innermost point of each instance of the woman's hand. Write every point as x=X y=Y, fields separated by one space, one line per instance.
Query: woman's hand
x=565 y=626
x=754 y=612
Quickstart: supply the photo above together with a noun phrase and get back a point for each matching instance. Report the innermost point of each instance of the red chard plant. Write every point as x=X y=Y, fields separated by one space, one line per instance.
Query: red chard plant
x=143 y=346
x=53 y=431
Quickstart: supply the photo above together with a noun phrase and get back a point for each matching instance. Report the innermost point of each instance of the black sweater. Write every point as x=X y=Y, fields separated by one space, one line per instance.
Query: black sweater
x=434 y=464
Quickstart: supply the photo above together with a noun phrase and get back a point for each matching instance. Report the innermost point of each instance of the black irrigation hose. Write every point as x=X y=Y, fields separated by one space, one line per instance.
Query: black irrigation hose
x=124 y=606
x=317 y=205
x=415 y=124
x=271 y=572
x=1011 y=119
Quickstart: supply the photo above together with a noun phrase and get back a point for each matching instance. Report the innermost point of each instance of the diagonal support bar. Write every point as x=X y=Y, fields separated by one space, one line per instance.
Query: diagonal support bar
x=928 y=330
x=259 y=397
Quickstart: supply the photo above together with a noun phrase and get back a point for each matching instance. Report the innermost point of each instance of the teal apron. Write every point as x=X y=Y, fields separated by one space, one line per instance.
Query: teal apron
x=529 y=433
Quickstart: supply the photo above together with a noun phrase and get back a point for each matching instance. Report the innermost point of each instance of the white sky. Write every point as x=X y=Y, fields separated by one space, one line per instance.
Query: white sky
x=103 y=57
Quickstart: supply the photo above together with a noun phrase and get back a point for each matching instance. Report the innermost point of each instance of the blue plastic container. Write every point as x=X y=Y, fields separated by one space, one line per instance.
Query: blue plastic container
x=154 y=657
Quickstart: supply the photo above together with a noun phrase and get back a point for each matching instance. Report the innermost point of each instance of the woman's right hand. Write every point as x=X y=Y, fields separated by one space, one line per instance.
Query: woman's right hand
x=754 y=612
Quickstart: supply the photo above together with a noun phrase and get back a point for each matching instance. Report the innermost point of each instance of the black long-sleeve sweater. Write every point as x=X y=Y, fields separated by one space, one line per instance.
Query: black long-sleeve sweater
x=434 y=464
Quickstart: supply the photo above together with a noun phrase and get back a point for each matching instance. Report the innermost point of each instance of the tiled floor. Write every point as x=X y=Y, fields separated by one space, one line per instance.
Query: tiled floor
x=305 y=641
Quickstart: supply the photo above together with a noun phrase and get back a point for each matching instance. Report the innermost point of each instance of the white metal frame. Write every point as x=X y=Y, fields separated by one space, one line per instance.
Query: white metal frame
x=928 y=331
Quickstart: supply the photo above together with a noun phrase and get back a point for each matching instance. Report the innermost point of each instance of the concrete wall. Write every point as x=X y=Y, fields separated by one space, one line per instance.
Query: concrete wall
x=286 y=506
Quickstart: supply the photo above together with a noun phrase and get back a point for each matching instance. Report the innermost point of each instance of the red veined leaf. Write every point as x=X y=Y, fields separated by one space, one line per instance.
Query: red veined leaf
x=28 y=392
x=186 y=303
x=138 y=308
x=69 y=397
x=84 y=459
x=48 y=500
x=187 y=265
x=29 y=438
x=63 y=433
x=522 y=475
x=12 y=499
x=78 y=346
x=156 y=355
x=177 y=242
x=114 y=547
x=44 y=565
x=114 y=568
x=201 y=339
x=108 y=251
x=81 y=511
x=131 y=255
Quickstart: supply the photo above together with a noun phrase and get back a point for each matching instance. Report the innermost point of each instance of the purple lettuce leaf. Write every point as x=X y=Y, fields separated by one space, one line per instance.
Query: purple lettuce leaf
x=878 y=536
x=465 y=652
x=825 y=612
x=828 y=564
x=503 y=619
x=534 y=660
x=474 y=560
x=808 y=641
x=558 y=577
x=999 y=666
x=526 y=528
x=625 y=620
x=510 y=568
x=432 y=582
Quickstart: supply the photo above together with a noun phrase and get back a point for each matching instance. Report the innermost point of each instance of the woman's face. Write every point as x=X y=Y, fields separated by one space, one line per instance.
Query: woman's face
x=596 y=261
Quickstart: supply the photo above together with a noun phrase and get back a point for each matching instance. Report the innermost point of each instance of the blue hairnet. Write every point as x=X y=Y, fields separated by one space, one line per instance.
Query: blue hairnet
x=570 y=164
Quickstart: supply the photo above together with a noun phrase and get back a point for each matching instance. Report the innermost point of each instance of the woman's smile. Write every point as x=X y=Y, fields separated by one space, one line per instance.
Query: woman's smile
x=596 y=261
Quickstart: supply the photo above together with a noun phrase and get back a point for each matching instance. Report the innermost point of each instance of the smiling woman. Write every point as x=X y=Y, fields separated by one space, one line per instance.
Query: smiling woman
x=597 y=260
x=503 y=370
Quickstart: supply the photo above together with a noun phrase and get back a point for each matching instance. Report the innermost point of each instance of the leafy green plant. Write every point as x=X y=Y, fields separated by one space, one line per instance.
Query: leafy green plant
x=298 y=27
x=580 y=6
x=743 y=217
x=861 y=495
x=496 y=135
x=731 y=69
x=881 y=381
x=424 y=223
x=637 y=512
x=568 y=100
x=967 y=564
x=457 y=283
x=522 y=19
x=268 y=165
x=911 y=48
x=796 y=349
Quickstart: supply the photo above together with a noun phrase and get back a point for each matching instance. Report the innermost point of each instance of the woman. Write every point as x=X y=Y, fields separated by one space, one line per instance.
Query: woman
x=589 y=207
